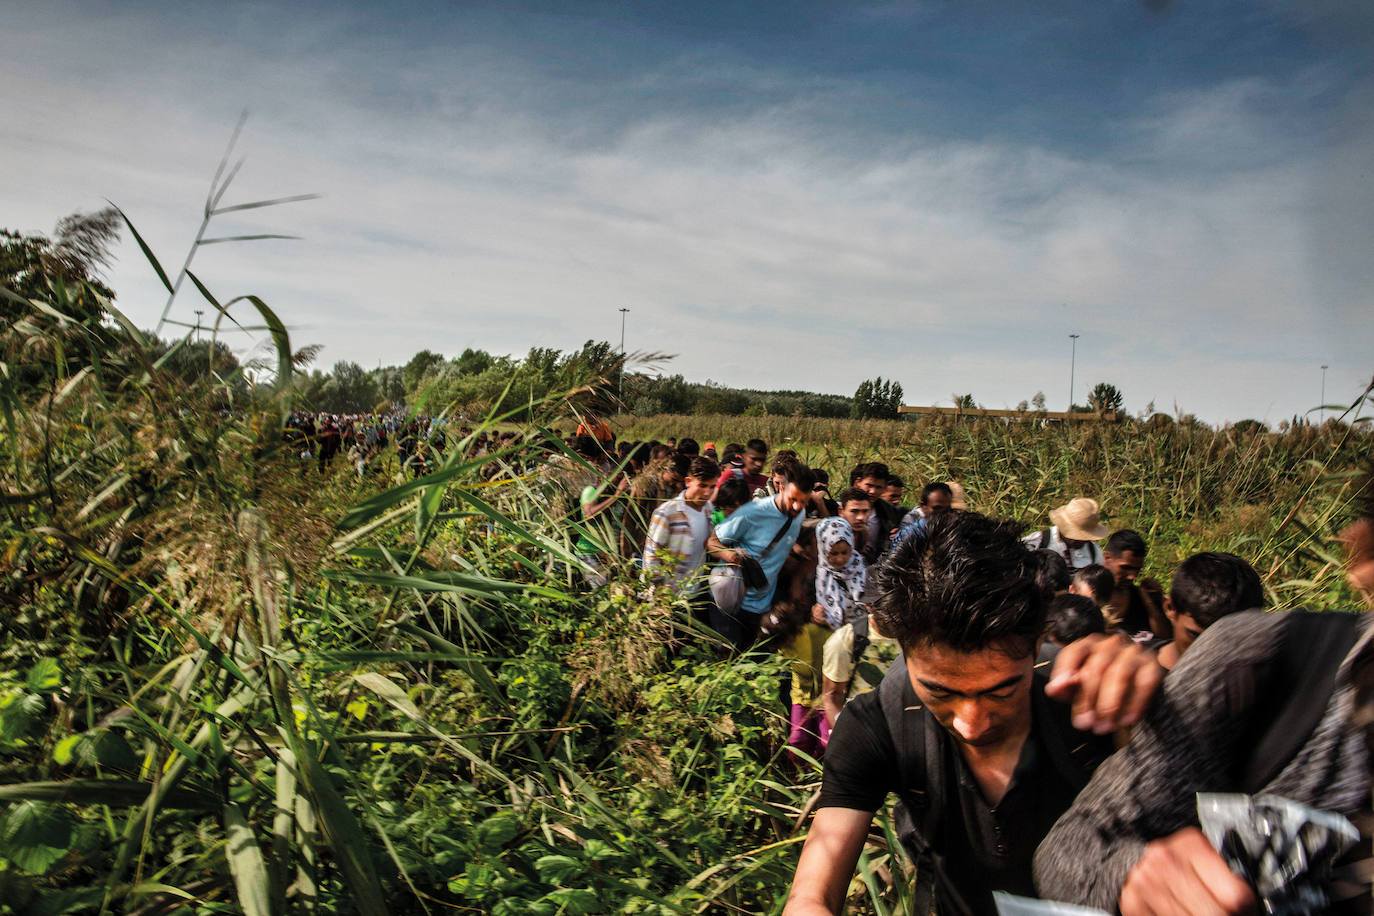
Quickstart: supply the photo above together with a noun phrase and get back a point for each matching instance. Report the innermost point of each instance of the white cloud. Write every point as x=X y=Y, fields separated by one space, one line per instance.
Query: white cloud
x=765 y=244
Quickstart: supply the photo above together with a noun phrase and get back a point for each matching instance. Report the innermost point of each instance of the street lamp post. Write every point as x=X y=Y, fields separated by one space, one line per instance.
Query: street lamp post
x=1323 y=401
x=1073 y=360
x=199 y=312
x=620 y=394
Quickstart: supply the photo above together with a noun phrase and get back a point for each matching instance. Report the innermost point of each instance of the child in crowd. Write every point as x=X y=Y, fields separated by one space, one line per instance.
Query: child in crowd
x=790 y=628
x=1068 y=617
x=1053 y=573
x=1094 y=581
x=1206 y=587
x=841 y=574
x=729 y=496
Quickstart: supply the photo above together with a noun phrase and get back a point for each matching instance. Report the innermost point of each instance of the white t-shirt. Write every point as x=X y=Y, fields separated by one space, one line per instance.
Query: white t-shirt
x=678 y=531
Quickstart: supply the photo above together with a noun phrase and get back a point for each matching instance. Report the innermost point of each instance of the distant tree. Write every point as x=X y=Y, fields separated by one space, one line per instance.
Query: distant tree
x=391 y=384
x=1159 y=422
x=542 y=365
x=1022 y=406
x=964 y=401
x=877 y=399
x=1038 y=402
x=474 y=362
x=669 y=394
x=349 y=389
x=420 y=367
x=1105 y=398
x=34 y=266
x=1248 y=427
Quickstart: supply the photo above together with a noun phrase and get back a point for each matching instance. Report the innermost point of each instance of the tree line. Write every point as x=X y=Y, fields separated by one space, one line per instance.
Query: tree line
x=65 y=268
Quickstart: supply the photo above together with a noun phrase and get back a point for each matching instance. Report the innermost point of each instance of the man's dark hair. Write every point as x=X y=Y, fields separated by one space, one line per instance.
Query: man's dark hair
x=822 y=475
x=894 y=481
x=732 y=494
x=1125 y=540
x=787 y=453
x=730 y=452
x=1098 y=579
x=1071 y=617
x=688 y=447
x=1053 y=573
x=872 y=469
x=797 y=473
x=679 y=463
x=1208 y=586
x=938 y=486
x=967 y=583
x=756 y=445
x=703 y=468
x=660 y=451
x=642 y=454
x=783 y=458
x=854 y=494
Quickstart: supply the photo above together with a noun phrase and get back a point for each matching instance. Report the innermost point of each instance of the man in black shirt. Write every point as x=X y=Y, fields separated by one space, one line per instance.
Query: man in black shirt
x=960 y=730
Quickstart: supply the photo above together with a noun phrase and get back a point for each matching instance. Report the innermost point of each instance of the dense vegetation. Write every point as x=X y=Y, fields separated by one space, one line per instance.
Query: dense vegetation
x=234 y=684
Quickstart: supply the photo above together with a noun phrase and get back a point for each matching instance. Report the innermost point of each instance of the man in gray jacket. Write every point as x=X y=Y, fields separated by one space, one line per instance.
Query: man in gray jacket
x=1131 y=841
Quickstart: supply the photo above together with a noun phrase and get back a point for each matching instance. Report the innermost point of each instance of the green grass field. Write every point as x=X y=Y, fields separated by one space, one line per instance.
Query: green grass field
x=234 y=685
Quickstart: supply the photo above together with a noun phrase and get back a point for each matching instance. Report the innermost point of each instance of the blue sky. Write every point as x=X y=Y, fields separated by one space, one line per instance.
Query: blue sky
x=798 y=195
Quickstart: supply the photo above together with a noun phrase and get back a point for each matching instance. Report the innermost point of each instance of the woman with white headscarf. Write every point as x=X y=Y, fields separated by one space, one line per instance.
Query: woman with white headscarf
x=840 y=573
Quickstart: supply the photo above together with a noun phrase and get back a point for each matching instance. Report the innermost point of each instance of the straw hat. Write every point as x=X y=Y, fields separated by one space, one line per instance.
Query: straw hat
x=1078 y=520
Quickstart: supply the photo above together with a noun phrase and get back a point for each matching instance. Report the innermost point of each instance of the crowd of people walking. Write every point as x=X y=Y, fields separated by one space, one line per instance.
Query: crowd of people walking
x=1044 y=717
x=1023 y=693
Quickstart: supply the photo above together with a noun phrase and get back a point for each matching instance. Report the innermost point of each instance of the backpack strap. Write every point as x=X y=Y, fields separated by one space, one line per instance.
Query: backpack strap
x=860 y=625
x=1297 y=690
x=787 y=523
x=1044 y=538
x=920 y=805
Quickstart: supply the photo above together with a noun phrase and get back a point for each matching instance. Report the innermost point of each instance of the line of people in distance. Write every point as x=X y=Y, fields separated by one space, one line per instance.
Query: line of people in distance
x=1008 y=688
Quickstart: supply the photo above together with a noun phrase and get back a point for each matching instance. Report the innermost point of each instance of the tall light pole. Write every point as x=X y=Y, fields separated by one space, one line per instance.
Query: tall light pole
x=1323 y=402
x=620 y=394
x=199 y=312
x=1073 y=360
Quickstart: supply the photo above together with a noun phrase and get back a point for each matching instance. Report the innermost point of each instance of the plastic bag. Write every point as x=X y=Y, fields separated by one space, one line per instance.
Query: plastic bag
x=727 y=588
x=1284 y=849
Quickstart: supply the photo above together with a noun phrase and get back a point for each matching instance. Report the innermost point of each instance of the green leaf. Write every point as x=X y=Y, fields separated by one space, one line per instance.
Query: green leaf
x=111 y=750
x=19 y=714
x=497 y=830
x=442 y=581
x=345 y=837
x=36 y=836
x=66 y=753
x=558 y=869
x=576 y=901
x=246 y=864
x=147 y=253
x=386 y=688
x=869 y=672
x=45 y=676
x=118 y=792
